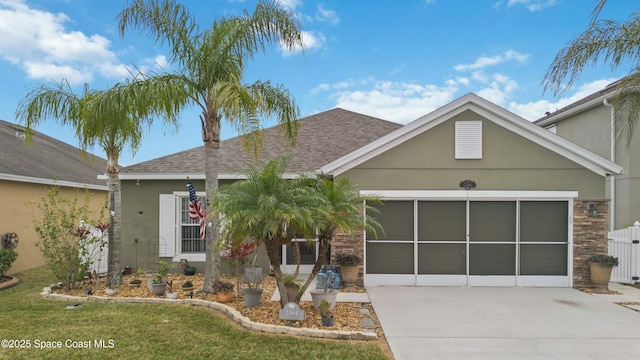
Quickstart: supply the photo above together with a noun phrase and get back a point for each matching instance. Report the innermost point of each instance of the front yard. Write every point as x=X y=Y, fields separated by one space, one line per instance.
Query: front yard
x=145 y=331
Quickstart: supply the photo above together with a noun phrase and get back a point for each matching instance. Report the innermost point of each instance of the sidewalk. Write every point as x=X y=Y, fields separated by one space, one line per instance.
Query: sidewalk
x=628 y=294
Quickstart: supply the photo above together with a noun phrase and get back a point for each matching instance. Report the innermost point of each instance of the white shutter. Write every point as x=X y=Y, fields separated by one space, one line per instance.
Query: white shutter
x=167 y=239
x=468 y=140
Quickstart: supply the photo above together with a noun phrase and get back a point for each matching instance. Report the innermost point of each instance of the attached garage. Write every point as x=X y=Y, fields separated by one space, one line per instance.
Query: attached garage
x=474 y=195
x=461 y=238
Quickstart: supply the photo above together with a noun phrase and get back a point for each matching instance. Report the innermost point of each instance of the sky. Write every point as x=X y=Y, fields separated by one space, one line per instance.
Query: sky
x=392 y=59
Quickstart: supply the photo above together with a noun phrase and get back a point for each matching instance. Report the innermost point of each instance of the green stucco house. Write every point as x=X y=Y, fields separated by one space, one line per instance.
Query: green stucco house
x=473 y=195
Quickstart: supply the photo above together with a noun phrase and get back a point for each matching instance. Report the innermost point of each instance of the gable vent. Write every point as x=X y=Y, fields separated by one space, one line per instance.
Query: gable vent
x=468 y=140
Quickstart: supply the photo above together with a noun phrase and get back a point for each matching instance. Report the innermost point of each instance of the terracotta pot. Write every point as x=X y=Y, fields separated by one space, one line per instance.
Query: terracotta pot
x=225 y=297
x=349 y=274
x=600 y=274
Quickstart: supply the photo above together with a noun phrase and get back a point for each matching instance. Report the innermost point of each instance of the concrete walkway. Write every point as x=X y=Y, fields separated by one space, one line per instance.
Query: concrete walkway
x=507 y=323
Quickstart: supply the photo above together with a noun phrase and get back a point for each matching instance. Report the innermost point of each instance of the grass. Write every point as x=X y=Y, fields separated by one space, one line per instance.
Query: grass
x=146 y=331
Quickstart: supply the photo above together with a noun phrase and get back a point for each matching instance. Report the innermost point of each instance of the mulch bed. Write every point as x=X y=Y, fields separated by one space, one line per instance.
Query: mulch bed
x=347 y=315
x=599 y=291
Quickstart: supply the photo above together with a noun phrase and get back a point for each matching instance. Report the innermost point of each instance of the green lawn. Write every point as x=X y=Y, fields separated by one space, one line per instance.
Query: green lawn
x=144 y=331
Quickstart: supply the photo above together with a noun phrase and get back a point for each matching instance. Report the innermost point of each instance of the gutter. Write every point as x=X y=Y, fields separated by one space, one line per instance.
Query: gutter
x=34 y=180
x=612 y=157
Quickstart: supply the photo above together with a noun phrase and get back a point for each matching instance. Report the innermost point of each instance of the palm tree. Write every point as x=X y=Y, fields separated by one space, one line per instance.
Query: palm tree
x=210 y=65
x=98 y=118
x=267 y=208
x=345 y=211
x=614 y=43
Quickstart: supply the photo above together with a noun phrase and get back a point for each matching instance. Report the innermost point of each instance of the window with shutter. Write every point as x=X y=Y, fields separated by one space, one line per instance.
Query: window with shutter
x=468 y=140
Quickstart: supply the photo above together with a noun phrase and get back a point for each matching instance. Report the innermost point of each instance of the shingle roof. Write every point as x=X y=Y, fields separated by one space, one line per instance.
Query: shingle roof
x=608 y=89
x=46 y=158
x=322 y=138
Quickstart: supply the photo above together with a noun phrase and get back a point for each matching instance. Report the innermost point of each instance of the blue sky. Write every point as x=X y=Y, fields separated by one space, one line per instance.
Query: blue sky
x=393 y=59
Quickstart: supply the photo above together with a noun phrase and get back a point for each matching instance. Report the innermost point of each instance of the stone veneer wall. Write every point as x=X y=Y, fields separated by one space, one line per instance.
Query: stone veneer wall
x=344 y=244
x=589 y=237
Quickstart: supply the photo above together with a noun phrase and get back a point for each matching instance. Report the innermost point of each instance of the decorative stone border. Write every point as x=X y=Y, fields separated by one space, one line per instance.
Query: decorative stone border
x=231 y=312
x=13 y=281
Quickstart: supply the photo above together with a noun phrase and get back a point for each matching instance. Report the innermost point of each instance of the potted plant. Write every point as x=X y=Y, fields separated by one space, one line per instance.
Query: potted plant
x=171 y=294
x=187 y=286
x=324 y=290
x=292 y=284
x=188 y=270
x=601 y=266
x=325 y=313
x=110 y=291
x=349 y=267
x=135 y=283
x=224 y=290
x=159 y=287
x=252 y=294
x=163 y=269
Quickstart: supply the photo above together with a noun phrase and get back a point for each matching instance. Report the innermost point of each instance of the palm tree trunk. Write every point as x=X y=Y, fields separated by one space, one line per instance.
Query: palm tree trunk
x=114 y=269
x=211 y=137
x=273 y=251
x=325 y=241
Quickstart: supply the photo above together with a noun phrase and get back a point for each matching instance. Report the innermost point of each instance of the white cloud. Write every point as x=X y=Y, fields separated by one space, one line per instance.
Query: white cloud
x=532 y=5
x=486 y=61
x=312 y=40
x=38 y=42
x=534 y=110
x=328 y=15
x=291 y=4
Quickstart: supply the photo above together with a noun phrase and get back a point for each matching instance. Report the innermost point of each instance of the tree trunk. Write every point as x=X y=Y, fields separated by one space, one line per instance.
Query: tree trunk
x=273 y=250
x=211 y=137
x=114 y=269
x=325 y=241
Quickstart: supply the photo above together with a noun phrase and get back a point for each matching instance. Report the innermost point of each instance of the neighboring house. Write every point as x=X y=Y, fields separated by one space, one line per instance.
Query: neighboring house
x=473 y=195
x=27 y=172
x=588 y=123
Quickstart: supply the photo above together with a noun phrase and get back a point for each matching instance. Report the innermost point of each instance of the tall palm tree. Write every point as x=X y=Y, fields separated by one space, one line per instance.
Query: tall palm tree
x=210 y=65
x=98 y=118
x=614 y=43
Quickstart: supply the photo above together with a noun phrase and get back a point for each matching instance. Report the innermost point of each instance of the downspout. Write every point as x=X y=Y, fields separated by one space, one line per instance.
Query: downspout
x=612 y=178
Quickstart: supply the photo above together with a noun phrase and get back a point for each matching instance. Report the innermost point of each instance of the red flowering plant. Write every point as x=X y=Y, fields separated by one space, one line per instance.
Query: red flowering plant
x=237 y=252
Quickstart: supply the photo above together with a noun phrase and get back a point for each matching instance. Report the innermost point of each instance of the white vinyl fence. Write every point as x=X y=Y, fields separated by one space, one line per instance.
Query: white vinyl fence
x=625 y=245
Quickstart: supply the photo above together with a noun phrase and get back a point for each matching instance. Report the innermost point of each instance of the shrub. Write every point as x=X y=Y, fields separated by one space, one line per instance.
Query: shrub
x=347 y=259
x=605 y=259
x=222 y=286
x=64 y=245
x=7 y=257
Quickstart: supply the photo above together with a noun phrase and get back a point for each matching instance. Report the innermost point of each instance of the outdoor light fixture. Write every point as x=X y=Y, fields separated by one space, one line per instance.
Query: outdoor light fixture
x=467 y=184
x=138 y=182
x=593 y=207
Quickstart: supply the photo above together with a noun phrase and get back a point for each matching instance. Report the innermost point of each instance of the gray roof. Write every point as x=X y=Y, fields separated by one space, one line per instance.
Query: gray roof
x=322 y=138
x=608 y=89
x=46 y=158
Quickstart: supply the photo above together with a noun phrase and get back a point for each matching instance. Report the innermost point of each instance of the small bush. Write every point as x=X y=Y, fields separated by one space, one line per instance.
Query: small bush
x=7 y=257
x=347 y=259
x=605 y=259
x=222 y=286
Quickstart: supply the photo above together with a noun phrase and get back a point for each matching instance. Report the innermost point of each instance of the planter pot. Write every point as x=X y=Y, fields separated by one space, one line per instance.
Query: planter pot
x=600 y=274
x=329 y=295
x=190 y=271
x=252 y=297
x=172 y=295
x=349 y=274
x=159 y=289
x=110 y=292
x=225 y=297
x=134 y=285
x=327 y=321
x=187 y=289
x=253 y=275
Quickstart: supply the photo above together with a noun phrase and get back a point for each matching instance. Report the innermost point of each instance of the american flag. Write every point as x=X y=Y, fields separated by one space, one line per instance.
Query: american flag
x=195 y=208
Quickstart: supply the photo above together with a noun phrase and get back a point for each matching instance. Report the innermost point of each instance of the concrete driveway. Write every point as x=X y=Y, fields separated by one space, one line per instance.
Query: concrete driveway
x=504 y=323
